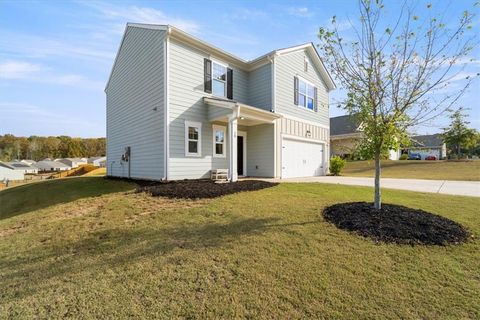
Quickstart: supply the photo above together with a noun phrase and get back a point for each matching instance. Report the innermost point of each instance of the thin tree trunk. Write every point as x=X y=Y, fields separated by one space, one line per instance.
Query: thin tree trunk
x=378 y=195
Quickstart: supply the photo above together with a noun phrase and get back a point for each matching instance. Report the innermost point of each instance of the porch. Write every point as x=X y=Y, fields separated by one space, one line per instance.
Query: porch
x=251 y=137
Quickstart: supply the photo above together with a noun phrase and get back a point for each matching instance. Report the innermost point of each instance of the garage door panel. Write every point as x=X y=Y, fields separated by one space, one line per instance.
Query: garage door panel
x=301 y=159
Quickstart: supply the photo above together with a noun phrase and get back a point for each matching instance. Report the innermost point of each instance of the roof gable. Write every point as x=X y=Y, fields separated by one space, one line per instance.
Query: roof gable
x=247 y=65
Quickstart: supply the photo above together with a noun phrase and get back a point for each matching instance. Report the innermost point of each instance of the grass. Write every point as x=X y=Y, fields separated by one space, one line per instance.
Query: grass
x=99 y=172
x=262 y=254
x=409 y=169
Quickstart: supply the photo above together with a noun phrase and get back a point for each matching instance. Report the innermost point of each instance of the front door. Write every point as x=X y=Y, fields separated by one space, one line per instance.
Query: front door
x=240 y=151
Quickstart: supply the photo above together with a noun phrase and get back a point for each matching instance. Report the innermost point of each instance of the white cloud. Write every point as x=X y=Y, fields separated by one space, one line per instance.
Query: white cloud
x=18 y=44
x=302 y=12
x=142 y=15
x=21 y=70
x=18 y=69
x=246 y=14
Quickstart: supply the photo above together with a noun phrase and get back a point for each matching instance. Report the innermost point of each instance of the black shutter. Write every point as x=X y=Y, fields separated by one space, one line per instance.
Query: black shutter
x=207 y=78
x=295 y=93
x=315 y=100
x=229 y=83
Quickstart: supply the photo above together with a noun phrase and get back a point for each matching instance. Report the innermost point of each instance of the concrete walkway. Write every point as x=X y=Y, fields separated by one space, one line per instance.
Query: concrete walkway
x=460 y=188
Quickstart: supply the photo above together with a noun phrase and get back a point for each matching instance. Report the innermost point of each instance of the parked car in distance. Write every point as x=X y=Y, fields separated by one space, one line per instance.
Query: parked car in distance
x=414 y=156
x=430 y=157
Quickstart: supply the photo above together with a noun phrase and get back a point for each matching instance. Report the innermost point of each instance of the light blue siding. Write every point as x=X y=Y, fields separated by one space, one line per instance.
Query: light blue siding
x=261 y=150
x=186 y=103
x=134 y=90
x=288 y=66
x=260 y=87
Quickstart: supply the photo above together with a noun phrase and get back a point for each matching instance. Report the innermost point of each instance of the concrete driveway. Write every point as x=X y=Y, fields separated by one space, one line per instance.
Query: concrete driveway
x=460 y=188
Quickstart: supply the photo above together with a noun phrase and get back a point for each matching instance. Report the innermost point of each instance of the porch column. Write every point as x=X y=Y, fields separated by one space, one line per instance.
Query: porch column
x=232 y=150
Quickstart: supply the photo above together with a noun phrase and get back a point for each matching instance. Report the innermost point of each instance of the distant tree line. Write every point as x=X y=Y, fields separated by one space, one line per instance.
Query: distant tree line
x=38 y=148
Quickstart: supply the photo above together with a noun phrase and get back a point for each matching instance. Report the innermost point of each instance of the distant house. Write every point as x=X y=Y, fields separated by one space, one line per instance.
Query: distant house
x=97 y=161
x=73 y=162
x=345 y=134
x=8 y=172
x=51 y=166
x=428 y=145
x=23 y=167
x=28 y=161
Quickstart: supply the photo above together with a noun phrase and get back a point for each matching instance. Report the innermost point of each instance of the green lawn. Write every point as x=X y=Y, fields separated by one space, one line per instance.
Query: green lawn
x=264 y=254
x=410 y=169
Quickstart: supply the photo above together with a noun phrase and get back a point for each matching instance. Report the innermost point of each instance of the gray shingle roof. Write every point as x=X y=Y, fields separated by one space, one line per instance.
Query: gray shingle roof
x=431 y=140
x=343 y=125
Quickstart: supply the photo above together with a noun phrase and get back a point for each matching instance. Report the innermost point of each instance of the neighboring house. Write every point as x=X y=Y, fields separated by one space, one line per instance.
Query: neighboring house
x=73 y=162
x=23 y=167
x=428 y=145
x=178 y=107
x=97 y=161
x=9 y=173
x=28 y=161
x=345 y=134
x=51 y=166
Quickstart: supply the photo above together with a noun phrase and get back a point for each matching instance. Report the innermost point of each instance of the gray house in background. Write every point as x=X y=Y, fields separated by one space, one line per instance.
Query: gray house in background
x=428 y=145
x=178 y=107
x=346 y=134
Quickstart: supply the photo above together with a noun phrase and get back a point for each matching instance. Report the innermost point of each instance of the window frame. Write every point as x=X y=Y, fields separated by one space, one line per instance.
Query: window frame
x=307 y=83
x=224 y=82
x=198 y=125
x=216 y=128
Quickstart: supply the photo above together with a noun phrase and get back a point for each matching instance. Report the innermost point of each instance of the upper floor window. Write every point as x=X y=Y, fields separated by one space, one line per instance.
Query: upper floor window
x=218 y=79
x=305 y=94
x=219 y=85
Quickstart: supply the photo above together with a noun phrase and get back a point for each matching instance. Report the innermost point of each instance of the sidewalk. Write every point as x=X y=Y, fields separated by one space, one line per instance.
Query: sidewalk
x=460 y=188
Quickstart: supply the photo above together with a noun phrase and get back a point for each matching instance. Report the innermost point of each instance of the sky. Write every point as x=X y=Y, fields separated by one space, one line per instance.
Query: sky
x=56 y=56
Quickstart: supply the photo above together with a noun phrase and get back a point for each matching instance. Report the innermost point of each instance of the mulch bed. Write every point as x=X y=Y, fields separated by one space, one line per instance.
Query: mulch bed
x=200 y=189
x=395 y=224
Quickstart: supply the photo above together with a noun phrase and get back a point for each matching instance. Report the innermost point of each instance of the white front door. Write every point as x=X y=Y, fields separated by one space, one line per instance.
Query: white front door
x=301 y=159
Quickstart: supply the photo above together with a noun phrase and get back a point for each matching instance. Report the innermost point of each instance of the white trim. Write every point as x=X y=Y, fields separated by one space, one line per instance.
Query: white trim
x=244 y=135
x=197 y=125
x=166 y=87
x=216 y=127
x=313 y=123
x=213 y=60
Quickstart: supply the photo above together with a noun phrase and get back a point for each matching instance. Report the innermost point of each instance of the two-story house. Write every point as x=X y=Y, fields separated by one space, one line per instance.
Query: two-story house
x=178 y=107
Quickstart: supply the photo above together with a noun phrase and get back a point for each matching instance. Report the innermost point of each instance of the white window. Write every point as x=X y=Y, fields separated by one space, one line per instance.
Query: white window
x=219 y=79
x=193 y=139
x=219 y=145
x=306 y=95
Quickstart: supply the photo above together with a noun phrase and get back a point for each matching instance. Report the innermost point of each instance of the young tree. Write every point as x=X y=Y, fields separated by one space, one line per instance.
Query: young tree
x=457 y=134
x=396 y=72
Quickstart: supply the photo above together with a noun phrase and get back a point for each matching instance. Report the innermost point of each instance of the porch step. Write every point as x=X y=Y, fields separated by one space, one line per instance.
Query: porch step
x=219 y=174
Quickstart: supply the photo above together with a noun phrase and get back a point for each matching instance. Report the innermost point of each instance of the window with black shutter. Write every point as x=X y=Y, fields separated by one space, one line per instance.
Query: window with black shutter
x=229 y=83
x=207 y=75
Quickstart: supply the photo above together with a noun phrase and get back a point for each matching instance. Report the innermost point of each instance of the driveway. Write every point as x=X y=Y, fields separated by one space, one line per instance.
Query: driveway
x=459 y=188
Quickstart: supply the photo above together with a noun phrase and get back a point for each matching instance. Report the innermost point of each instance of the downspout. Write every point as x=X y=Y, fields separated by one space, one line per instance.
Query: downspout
x=166 y=79
x=276 y=139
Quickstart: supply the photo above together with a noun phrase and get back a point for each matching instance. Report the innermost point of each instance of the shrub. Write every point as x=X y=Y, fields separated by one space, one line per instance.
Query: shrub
x=336 y=165
x=404 y=156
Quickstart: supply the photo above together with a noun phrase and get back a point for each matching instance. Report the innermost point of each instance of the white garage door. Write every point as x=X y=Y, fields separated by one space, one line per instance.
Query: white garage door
x=301 y=159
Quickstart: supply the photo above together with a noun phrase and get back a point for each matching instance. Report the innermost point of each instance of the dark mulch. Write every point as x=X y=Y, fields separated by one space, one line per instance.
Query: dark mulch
x=200 y=189
x=395 y=224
